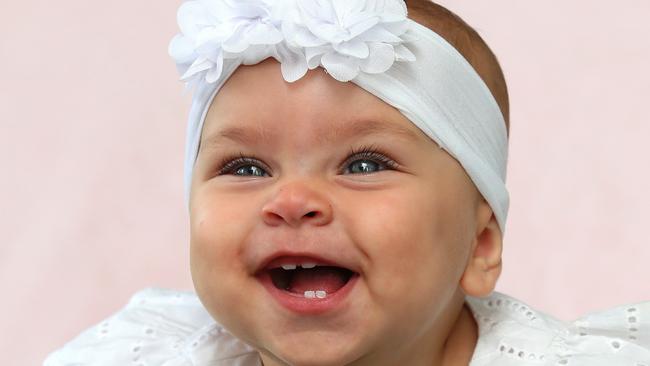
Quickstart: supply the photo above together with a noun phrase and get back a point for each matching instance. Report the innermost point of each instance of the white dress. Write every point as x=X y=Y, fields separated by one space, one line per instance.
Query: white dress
x=161 y=327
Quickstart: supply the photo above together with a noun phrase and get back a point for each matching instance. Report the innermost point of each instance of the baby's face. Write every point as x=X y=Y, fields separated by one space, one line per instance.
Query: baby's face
x=397 y=221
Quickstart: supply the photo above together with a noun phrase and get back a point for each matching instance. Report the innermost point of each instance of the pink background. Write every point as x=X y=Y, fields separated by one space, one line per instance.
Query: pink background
x=91 y=137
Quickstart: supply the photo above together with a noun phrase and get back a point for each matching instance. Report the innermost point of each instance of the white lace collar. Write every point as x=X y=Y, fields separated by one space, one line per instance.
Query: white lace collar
x=512 y=333
x=172 y=328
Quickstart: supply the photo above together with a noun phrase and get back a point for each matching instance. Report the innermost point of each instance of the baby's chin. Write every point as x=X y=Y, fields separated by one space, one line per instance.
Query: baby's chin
x=324 y=341
x=313 y=349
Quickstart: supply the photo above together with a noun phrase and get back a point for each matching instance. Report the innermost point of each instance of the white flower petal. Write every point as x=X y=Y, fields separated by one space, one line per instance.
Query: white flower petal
x=192 y=83
x=314 y=62
x=403 y=54
x=303 y=37
x=373 y=6
x=316 y=9
x=263 y=33
x=292 y=62
x=210 y=36
x=356 y=24
x=396 y=28
x=381 y=58
x=256 y=54
x=313 y=54
x=236 y=42
x=248 y=9
x=215 y=72
x=201 y=64
x=378 y=34
x=281 y=10
x=342 y=8
x=393 y=10
x=235 y=45
x=181 y=49
x=218 y=10
x=320 y=19
x=353 y=48
x=341 y=68
x=191 y=18
x=328 y=32
x=214 y=54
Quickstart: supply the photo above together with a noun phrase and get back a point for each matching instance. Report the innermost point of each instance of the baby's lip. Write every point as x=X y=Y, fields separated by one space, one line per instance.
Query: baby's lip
x=283 y=257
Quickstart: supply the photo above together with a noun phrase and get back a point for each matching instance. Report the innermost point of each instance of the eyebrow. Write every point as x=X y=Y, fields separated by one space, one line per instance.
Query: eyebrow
x=373 y=127
x=251 y=135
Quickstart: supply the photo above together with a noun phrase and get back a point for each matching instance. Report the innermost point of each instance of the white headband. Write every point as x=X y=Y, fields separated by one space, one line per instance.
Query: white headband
x=362 y=41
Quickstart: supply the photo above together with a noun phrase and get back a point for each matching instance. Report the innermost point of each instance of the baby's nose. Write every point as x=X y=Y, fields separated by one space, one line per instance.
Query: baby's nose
x=297 y=203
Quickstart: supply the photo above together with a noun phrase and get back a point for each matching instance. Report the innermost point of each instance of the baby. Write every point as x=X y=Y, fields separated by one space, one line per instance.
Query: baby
x=345 y=171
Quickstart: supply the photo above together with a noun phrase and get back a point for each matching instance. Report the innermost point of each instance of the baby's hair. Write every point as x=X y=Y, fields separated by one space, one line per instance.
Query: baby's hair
x=468 y=42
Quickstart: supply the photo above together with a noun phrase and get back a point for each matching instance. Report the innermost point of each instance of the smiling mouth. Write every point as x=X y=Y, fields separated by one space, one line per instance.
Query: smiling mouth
x=310 y=280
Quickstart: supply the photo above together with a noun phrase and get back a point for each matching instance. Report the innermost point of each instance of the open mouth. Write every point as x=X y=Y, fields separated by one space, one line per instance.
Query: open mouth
x=308 y=285
x=310 y=280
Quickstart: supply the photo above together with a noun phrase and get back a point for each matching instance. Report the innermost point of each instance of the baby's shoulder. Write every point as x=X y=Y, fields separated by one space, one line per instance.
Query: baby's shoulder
x=513 y=333
x=156 y=327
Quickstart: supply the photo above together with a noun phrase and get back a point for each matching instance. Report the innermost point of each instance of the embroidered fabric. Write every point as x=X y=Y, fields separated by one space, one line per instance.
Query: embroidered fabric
x=160 y=327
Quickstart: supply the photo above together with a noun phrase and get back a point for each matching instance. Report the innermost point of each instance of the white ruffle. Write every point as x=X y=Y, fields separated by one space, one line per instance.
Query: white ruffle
x=157 y=327
x=512 y=333
x=169 y=328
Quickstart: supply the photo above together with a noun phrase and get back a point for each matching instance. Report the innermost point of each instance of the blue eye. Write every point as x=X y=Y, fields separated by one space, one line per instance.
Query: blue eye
x=369 y=160
x=250 y=170
x=241 y=166
x=366 y=160
x=364 y=167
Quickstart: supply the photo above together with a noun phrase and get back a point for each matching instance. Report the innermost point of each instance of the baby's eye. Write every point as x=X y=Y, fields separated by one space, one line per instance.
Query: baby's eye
x=250 y=170
x=368 y=160
x=242 y=166
x=364 y=166
x=369 y=165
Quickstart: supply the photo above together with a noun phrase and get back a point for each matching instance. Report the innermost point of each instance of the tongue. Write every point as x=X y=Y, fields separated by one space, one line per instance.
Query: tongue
x=328 y=279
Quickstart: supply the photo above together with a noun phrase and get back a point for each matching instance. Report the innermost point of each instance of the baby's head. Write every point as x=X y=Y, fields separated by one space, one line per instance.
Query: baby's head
x=319 y=171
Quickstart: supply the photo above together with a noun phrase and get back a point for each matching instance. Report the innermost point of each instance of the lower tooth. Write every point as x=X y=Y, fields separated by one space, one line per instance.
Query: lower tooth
x=315 y=294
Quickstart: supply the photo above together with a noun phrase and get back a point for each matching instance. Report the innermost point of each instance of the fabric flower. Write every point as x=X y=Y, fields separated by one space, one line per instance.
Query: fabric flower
x=343 y=36
x=214 y=31
x=346 y=37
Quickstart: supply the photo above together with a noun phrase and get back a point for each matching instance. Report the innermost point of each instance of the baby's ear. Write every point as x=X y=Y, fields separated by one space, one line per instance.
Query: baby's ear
x=484 y=262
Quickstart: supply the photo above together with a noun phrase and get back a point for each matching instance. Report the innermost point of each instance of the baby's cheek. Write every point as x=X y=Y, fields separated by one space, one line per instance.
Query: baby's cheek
x=219 y=224
x=410 y=238
x=217 y=233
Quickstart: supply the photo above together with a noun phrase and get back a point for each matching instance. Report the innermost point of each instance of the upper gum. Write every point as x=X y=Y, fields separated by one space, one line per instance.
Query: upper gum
x=283 y=262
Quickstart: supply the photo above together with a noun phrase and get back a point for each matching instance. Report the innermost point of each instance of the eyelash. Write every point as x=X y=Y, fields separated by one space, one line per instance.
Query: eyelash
x=233 y=162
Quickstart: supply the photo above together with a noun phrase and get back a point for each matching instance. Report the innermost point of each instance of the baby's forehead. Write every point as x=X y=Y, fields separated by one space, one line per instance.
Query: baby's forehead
x=328 y=134
x=256 y=104
x=264 y=85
